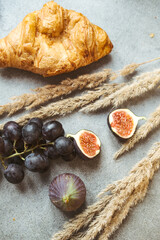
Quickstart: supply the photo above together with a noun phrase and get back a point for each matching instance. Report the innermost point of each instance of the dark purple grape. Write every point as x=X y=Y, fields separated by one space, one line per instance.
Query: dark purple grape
x=31 y=133
x=14 y=173
x=19 y=145
x=37 y=162
x=67 y=192
x=51 y=152
x=69 y=157
x=52 y=130
x=64 y=145
x=16 y=160
x=1 y=145
x=8 y=146
x=12 y=131
x=37 y=120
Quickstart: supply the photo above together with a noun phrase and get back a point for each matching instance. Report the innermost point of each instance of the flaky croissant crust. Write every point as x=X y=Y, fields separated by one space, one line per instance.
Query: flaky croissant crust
x=53 y=40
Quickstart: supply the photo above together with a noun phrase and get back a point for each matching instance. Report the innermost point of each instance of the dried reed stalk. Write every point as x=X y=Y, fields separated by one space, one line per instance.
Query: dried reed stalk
x=81 y=220
x=68 y=105
x=48 y=92
x=129 y=69
x=143 y=84
x=152 y=123
x=120 y=215
x=125 y=194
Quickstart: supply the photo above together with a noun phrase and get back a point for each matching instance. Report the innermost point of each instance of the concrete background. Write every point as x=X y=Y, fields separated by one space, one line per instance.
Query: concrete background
x=128 y=24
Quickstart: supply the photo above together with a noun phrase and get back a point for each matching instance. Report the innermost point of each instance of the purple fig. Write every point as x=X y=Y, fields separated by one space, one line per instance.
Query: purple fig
x=67 y=192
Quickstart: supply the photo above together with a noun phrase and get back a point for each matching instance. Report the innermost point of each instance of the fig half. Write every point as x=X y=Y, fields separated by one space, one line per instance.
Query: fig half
x=123 y=123
x=87 y=144
x=67 y=192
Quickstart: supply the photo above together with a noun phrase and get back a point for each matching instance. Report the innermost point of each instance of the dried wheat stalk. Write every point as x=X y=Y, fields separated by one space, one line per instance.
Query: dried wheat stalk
x=120 y=215
x=68 y=105
x=48 y=92
x=152 y=123
x=129 y=69
x=125 y=194
x=81 y=220
x=101 y=232
x=143 y=84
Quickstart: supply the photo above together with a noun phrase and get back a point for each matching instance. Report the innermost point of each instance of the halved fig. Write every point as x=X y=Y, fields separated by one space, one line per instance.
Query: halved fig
x=87 y=144
x=123 y=123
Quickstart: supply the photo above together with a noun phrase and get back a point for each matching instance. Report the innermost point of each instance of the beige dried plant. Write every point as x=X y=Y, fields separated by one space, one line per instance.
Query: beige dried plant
x=143 y=84
x=129 y=69
x=152 y=123
x=82 y=220
x=65 y=106
x=43 y=94
x=124 y=194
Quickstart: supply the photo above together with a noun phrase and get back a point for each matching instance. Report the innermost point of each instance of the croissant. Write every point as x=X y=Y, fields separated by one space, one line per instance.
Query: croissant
x=53 y=40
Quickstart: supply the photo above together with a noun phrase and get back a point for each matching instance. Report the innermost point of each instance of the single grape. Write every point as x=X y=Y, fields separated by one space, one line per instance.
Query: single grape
x=16 y=160
x=52 y=130
x=51 y=152
x=8 y=146
x=69 y=157
x=1 y=145
x=12 y=131
x=37 y=120
x=31 y=132
x=64 y=145
x=14 y=173
x=37 y=162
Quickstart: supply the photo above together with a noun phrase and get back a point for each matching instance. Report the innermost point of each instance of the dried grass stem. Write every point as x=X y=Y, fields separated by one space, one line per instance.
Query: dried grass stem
x=143 y=84
x=43 y=94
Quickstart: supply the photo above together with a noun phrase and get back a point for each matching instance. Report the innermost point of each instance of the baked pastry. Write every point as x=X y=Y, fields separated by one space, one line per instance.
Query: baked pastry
x=53 y=40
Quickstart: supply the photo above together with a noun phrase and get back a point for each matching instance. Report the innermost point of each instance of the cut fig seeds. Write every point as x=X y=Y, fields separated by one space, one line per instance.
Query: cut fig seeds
x=123 y=123
x=87 y=144
x=67 y=192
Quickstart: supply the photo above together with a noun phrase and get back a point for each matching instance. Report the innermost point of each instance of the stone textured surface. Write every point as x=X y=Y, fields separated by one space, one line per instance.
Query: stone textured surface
x=128 y=24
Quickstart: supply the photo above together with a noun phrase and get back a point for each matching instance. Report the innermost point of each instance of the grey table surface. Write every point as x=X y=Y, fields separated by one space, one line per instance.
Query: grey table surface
x=128 y=24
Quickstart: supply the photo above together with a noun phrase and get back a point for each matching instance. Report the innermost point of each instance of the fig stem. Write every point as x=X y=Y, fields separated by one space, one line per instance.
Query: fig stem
x=70 y=135
x=142 y=118
x=66 y=199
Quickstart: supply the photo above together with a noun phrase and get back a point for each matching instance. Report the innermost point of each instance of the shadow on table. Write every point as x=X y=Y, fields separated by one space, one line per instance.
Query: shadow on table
x=12 y=73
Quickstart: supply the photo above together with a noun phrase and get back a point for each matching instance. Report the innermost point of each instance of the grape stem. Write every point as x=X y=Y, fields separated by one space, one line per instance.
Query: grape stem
x=26 y=150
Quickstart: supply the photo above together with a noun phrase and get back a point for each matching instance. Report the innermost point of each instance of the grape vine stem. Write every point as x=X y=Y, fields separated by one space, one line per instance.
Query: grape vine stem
x=25 y=151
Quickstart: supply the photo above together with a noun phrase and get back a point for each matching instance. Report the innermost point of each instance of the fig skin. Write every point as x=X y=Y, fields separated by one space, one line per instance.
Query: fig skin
x=67 y=192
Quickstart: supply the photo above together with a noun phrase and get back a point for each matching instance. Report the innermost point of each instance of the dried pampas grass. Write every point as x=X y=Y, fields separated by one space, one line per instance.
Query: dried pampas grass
x=124 y=194
x=152 y=123
x=143 y=84
x=68 y=105
x=43 y=94
x=129 y=69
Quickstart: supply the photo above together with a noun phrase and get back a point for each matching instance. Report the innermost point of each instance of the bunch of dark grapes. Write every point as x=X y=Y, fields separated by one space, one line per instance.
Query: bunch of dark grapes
x=32 y=146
